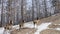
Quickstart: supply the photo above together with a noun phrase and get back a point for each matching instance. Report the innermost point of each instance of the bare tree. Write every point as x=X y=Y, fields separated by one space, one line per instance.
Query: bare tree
x=22 y=21
x=32 y=10
x=0 y=1
x=46 y=15
x=56 y=5
x=9 y=11
x=38 y=2
x=1 y=15
x=24 y=9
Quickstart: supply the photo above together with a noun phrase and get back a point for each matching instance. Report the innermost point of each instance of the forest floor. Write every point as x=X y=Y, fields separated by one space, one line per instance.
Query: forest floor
x=49 y=25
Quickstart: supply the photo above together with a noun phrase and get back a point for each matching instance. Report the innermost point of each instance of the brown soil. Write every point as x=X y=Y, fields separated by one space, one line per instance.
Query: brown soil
x=49 y=31
x=24 y=31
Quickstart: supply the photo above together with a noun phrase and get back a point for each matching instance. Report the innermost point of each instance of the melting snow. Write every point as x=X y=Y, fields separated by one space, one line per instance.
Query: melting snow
x=41 y=27
x=58 y=29
x=1 y=30
x=29 y=25
x=6 y=32
x=15 y=27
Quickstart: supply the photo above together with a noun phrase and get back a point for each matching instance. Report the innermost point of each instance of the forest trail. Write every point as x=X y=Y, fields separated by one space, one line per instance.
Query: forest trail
x=50 y=25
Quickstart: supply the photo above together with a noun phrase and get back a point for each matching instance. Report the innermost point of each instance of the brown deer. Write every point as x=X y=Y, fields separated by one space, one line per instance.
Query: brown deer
x=36 y=21
x=8 y=26
x=21 y=24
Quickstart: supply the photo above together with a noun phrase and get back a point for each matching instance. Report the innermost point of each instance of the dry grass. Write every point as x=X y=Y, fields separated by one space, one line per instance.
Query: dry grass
x=56 y=21
x=49 y=31
x=24 y=31
x=54 y=26
x=53 y=19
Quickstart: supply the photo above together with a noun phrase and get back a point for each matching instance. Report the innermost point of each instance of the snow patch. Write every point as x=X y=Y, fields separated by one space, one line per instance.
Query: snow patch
x=6 y=32
x=58 y=29
x=41 y=27
x=15 y=27
x=1 y=30
x=29 y=25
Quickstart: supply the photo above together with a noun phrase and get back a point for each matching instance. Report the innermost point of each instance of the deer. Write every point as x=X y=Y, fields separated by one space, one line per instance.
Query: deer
x=8 y=26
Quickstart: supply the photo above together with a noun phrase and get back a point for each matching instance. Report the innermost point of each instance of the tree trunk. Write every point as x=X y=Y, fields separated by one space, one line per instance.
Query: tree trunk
x=1 y=15
x=46 y=15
